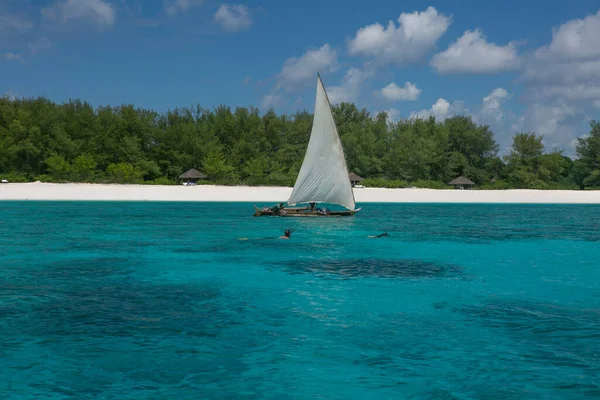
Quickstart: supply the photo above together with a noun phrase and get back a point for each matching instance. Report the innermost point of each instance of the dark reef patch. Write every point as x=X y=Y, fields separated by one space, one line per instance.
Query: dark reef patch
x=93 y=318
x=548 y=335
x=382 y=268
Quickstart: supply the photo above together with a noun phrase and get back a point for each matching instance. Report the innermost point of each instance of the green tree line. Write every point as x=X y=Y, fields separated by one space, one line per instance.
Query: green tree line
x=75 y=142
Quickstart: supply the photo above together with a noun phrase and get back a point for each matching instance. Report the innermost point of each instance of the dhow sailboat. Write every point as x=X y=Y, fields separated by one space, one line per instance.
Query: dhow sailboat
x=323 y=178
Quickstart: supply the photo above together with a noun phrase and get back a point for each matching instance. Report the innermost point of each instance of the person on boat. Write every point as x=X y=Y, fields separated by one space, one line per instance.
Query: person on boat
x=323 y=210
x=286 y=235
x=312 y=207
x=276 y=209
x=380 y=235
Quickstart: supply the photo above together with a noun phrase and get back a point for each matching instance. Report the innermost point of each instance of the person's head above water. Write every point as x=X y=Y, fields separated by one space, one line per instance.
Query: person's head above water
x=287 y=234
x=380 y=235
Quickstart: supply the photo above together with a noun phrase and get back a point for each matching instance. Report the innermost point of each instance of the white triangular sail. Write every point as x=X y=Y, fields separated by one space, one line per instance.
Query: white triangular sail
x=323 y=177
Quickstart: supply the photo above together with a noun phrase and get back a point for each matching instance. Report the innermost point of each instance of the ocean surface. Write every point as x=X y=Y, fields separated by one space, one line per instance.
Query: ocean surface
x=164 y=301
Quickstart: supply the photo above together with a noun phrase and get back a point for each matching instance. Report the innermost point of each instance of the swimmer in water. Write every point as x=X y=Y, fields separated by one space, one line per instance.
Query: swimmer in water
x=287 y=234
x=380 y=235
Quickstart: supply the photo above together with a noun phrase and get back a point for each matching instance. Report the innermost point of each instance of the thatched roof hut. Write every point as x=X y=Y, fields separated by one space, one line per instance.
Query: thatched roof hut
x=354 y=179
x=461 y=182
x=192 y=175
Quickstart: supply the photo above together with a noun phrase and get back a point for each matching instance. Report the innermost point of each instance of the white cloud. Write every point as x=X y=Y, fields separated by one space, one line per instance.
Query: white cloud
x=561 y=82
x=12 y=57
x=576 y=39
x=441 y=110
x=491 y=109
x=504 y=123
x=297 y=72
x=393 y=92
x=233 y=18
x=393 y=115
x=574 y=142
x=557 y=122
x=472 y=53
x=566 y=72
x=349 y=90
x=569 y=64
x=271 y=100
x=574 y=93
x=98 y=11
x=180 y=6
x=10 y=95
x=415 y=37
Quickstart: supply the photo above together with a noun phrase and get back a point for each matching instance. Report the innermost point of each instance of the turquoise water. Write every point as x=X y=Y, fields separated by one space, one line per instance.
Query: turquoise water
x=162 y=301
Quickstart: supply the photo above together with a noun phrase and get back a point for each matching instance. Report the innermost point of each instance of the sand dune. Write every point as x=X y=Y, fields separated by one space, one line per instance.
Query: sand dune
x=98 y=192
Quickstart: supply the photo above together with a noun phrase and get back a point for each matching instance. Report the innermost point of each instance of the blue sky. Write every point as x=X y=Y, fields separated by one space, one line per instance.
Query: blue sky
x=515 y=65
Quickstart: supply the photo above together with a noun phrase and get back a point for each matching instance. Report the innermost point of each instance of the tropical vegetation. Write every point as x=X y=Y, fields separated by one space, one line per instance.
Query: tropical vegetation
x=76 y=142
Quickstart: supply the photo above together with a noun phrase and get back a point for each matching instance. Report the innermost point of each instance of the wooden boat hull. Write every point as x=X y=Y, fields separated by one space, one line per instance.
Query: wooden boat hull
x=301 y=212
x=316 y=214
x=265 y=211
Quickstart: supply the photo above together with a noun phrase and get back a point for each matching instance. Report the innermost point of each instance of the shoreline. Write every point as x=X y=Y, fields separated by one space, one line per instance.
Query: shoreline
x=272 y=194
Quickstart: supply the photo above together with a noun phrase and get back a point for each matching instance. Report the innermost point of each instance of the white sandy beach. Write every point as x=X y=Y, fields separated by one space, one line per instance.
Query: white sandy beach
x=100 y=192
